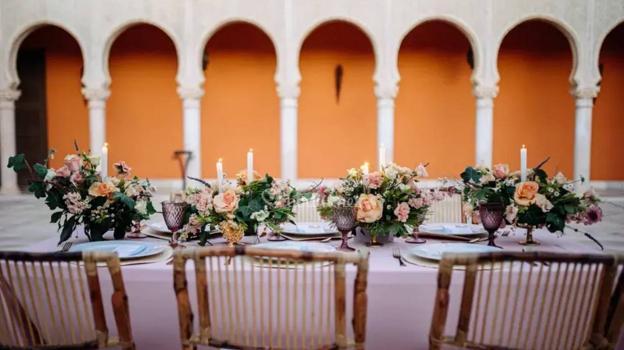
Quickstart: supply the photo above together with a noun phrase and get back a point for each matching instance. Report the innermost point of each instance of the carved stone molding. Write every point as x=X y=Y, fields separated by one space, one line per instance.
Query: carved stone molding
x=8 y=98
x=586 y=92
x=485 y=91
x=190 y=93
x=96 y=94
x=288 y=90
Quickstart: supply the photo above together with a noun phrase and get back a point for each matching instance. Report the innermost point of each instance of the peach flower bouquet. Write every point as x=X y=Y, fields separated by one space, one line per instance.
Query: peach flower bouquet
x=388 y=202
x=79 y=196
x=539 y=201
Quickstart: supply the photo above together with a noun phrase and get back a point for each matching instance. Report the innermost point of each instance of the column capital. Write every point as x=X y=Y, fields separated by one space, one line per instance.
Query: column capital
x=9 y=94
x=192 y=93
x=99 y=94
x=288 y=90
x=585 y=92
x=485 y=91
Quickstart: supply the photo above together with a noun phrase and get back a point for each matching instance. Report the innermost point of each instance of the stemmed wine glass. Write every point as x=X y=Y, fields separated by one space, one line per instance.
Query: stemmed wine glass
x=344 y=219
x=173 y=213
x=491 y=217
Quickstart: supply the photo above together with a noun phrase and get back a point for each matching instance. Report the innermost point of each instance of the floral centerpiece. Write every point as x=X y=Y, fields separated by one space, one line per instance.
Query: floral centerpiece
x=540 y=201
x=241 y=208
x=388 y=203
x=78 y=195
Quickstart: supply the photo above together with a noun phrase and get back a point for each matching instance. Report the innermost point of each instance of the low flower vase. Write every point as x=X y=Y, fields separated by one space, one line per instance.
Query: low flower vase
x=362 y=235
x=528 y=240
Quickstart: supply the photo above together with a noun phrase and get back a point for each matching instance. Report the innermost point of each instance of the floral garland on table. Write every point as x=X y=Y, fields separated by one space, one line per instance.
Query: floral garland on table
x=539 y=201
x=78 y=194
x=387 y=202
x=240 y=208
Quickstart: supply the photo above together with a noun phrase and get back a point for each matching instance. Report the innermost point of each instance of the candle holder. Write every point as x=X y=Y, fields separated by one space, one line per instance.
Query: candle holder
x=344 y=219
x=415 y=239
x=529 y=235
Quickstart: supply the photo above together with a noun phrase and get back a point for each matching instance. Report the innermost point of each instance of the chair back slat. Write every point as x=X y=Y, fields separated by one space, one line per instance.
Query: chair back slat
x=46 y=301
x=447 y=210
x=530 y=301
x=258 y=298
x=307 y=211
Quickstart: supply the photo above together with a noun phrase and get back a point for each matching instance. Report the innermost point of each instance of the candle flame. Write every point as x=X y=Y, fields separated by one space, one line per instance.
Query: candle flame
x=220 y=160
x=523 y=146
x=251 y=150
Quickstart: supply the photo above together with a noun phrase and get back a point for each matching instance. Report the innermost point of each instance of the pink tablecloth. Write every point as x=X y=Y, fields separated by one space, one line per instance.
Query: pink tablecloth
x=400 y=299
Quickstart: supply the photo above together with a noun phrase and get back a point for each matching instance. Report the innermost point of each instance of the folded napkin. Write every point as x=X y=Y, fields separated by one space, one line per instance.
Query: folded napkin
x=448 y=228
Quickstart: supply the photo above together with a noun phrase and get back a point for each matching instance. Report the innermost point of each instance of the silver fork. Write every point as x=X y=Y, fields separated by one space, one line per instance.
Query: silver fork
x=396 y=253
x=66 y=247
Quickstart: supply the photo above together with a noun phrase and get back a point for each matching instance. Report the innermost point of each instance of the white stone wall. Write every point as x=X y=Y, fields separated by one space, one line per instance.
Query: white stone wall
x=190 y=23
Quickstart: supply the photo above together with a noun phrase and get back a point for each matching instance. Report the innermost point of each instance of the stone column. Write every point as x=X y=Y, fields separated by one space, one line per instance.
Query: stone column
x=8 y=146
x=484 y=130
x=191 y=102
x=96 y=98
x=288 y=137
x=582 y=134
x=386 y=89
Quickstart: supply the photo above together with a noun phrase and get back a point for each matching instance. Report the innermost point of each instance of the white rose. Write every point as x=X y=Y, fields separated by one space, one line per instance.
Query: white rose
x=543 y=202
x=141 y=207
x=511 y=212
x=333 y=200
x=260 y=216
x=560 y=178
x=487 y=177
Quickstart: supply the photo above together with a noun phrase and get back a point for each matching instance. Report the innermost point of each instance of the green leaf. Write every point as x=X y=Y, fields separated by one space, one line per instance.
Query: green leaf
x=471 y=174
x=541 y=175
x=40 y=170
x=120 y=232
x=37 y=188
x=127 y=201
x=68 y=228
x=56 y=216
x=17 y=162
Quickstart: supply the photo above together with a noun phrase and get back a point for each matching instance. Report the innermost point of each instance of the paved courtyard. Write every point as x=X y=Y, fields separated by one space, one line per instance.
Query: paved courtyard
x=25 y=220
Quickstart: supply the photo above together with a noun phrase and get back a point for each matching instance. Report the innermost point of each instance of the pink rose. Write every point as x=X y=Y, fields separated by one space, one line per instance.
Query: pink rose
x=374 y=180
x=122 y=168
x=416 y=203
x=72 y=162
x=63 y=171
x=402 y=211
x=421 y=171
x=76 y=178
x=500 y=170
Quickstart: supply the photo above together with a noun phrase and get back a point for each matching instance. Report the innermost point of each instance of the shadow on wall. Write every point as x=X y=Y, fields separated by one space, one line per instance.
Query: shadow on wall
x=608 y=118
x=435 y=108
x=534 y=106
x=335 y=135
x=144 y=111
x=240 y=108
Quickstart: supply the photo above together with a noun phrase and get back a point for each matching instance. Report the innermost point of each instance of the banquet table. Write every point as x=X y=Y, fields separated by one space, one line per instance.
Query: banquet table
x=400 y=299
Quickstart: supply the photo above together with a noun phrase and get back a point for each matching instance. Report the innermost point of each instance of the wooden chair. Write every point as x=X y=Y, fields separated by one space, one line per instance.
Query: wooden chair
x=54 y=301
x=254 y=298
x=448 y=210
x=513 y=300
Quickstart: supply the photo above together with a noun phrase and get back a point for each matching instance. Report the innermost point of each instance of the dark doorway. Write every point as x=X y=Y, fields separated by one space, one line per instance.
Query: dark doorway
x=30 y=108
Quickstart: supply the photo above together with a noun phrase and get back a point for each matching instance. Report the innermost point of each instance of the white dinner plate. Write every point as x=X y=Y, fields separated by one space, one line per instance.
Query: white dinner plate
x=296 y=245
x=435 y=251
x=453 y=229
x=124 y=249
x=159 y=227
x=309 y=228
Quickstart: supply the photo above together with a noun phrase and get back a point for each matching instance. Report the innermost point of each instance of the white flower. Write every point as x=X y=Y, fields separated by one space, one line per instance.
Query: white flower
x=421 y=170
x=511 y=212
x=141 y=207
x=487 y=177
x=543 y=202
x=404 y=187
x=560 y=178
x=352 y=172
x=334 y=200
x=260 y=216
x=391 y=171
x=50 y=175
x=132 y=190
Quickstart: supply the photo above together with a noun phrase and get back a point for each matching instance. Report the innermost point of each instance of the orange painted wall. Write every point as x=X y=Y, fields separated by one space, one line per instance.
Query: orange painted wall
x=336 y=136
x=534 y=106
x=67 y=116
x=435 y=108
x=240 y=108
x=608 y=118
x=144 y=111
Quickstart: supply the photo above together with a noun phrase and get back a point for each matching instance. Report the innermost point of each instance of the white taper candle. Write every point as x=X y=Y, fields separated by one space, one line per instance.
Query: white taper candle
x=250 y=175
x=523 y=163
x=104 y=161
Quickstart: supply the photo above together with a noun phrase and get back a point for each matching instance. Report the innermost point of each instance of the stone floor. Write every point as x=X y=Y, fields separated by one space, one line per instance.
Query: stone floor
x=25 y=220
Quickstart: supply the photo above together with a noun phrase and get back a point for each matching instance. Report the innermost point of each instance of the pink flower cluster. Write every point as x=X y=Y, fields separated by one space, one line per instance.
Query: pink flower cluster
x=402 y=211
x=75 y=204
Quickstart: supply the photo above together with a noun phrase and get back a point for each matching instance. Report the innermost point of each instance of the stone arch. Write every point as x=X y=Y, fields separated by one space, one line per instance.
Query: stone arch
x=120 y=29
x=568 y=32
x=17 y=40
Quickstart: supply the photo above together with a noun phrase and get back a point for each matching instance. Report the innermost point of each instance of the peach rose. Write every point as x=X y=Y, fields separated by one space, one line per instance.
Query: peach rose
x=525 y=193
x=500 y=170
x=374 y=180
x=226 y=202
x=102 y=189
x=369 y=208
